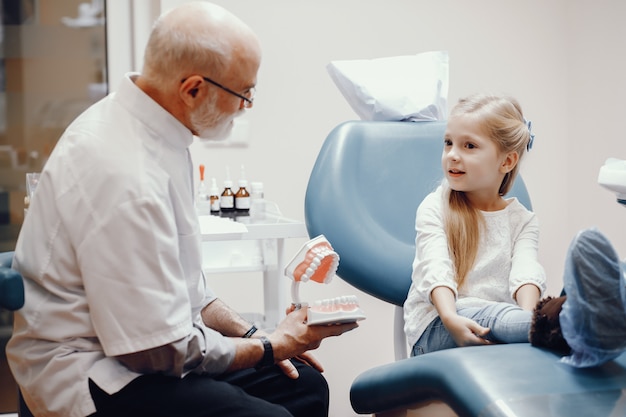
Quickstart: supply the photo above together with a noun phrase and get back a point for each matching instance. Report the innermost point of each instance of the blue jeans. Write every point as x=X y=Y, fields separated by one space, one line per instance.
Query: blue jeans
x=509 y=323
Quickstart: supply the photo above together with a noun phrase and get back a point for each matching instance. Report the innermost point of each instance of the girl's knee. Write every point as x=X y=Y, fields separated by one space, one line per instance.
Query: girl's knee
x=417 y=350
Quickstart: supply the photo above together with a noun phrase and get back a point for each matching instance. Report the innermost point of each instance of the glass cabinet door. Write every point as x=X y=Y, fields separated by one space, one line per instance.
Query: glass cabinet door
x=52 y=67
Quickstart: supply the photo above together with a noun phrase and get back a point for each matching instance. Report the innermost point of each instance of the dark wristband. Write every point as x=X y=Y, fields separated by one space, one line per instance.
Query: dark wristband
x=268 y=354
x=250 y=332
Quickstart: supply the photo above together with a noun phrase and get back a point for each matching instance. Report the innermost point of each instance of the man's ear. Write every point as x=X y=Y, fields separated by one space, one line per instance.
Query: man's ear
x=190 y=89
x=510 y=161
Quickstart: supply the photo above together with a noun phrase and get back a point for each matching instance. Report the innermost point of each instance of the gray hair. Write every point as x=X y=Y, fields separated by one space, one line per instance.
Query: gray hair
x=184 y=42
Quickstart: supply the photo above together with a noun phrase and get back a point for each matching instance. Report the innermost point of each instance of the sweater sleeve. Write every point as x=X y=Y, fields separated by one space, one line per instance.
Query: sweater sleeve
x=432 y=266
x=525 y=266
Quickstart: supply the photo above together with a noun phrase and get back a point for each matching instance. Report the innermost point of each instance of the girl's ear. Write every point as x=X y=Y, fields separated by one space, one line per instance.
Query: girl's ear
x=511 y=159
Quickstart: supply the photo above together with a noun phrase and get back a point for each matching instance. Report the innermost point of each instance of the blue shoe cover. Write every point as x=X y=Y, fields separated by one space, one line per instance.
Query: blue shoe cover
x=593 y=318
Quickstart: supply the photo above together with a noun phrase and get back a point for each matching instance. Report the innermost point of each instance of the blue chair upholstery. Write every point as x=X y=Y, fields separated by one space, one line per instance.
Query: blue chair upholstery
x=363 y=192
x=494 y=381
x=11 y=284
x=12 y=298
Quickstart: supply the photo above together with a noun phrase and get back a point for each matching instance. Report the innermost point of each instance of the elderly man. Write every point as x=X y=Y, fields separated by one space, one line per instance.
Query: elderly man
x=118 y=319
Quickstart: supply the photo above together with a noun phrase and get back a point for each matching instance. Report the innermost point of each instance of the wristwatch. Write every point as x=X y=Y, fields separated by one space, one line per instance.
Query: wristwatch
x=268 y=354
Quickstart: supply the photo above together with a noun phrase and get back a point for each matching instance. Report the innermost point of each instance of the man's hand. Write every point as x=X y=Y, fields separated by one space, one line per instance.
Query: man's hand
x=306 y=358
x=293 y=338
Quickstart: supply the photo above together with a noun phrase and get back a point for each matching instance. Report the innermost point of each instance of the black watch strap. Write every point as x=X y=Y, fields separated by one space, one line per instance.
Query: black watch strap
x=268 y=354
x=250 y=332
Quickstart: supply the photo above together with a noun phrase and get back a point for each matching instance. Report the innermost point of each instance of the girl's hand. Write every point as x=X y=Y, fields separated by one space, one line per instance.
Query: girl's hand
x=466 y=332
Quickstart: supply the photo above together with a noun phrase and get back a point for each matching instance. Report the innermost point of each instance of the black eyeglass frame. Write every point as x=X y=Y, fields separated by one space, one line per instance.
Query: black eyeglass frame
x=250 y=101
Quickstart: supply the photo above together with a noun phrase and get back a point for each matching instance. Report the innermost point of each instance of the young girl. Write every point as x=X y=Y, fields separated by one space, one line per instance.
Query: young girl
x=476 y=277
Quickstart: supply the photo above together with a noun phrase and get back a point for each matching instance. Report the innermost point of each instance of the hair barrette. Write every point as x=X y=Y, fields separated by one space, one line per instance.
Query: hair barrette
x=529 y=125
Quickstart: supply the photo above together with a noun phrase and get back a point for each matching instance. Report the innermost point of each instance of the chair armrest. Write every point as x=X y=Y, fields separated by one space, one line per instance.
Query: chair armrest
x=514 y=379
x=11 y=289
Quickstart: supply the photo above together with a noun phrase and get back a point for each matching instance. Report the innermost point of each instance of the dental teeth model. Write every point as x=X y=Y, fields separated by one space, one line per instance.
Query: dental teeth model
x=613 y=177
x=344 y=309
x=317 y=261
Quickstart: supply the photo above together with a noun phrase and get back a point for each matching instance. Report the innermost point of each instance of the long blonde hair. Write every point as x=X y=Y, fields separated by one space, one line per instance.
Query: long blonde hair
x=503 y=120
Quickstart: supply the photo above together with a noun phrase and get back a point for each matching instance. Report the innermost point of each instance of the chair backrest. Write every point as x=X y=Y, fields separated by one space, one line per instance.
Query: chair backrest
x=11 y=284
x=363 y=192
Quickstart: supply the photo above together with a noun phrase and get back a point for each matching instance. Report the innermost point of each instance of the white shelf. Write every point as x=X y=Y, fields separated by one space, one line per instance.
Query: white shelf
x=251 y=244
x=253 y=228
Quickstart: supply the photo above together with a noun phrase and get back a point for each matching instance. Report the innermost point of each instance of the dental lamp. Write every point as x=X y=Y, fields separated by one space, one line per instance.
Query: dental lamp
x=613 y=177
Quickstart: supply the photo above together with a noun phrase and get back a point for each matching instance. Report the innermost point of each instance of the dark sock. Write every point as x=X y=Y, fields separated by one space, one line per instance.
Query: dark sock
x=545 y=330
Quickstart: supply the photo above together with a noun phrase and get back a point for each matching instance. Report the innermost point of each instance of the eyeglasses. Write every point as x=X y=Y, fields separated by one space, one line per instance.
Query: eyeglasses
x=247 y=101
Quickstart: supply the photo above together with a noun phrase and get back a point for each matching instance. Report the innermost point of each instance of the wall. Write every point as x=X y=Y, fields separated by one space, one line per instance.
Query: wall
x=596 y=60
x=562 y=59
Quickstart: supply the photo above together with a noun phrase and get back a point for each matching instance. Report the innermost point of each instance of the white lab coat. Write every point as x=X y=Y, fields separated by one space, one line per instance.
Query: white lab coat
x=110 y=252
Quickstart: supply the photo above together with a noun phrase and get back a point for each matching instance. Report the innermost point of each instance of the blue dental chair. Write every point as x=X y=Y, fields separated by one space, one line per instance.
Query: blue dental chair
x=12 y=298
x=11 y=284
x=363 y=191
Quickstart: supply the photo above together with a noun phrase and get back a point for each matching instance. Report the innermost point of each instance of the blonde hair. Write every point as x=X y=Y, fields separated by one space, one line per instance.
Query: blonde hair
x=502 y=119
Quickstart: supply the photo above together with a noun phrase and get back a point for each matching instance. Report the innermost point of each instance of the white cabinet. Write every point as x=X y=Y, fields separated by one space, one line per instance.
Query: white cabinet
x=252 y=244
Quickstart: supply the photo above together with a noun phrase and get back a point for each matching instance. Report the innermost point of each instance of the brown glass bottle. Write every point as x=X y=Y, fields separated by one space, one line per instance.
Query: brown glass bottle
x=227 y=199
x=242 y=197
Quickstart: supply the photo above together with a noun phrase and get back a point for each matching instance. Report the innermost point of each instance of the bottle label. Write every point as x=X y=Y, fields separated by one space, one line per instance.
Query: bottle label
x=215 y=203
x=242 y=203
x=227 y=202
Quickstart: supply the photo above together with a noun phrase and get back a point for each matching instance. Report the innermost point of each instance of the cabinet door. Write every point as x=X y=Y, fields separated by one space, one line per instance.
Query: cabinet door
x=52 y=67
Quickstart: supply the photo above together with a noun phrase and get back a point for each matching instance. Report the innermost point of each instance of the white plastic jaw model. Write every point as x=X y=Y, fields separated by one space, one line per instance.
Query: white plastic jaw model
x=317 y=261
x=613 y=177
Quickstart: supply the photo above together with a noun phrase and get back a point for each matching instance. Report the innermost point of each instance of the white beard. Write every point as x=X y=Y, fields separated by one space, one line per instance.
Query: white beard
x=210 y=124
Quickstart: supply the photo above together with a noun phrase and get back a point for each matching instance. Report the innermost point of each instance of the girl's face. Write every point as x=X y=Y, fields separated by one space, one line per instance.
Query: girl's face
x=472 y=162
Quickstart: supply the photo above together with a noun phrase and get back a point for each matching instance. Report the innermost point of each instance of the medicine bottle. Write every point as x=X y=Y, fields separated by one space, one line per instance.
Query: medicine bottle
x=257 y=201
x=242 y=198
x=202 y=197
x=214 y=197
x=227 y=199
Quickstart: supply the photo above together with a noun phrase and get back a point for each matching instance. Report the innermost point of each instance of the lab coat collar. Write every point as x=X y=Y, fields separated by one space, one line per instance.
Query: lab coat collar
x=149 y=112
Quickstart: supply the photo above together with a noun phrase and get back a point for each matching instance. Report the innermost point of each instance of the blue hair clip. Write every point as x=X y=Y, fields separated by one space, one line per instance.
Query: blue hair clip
x=529 y=124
